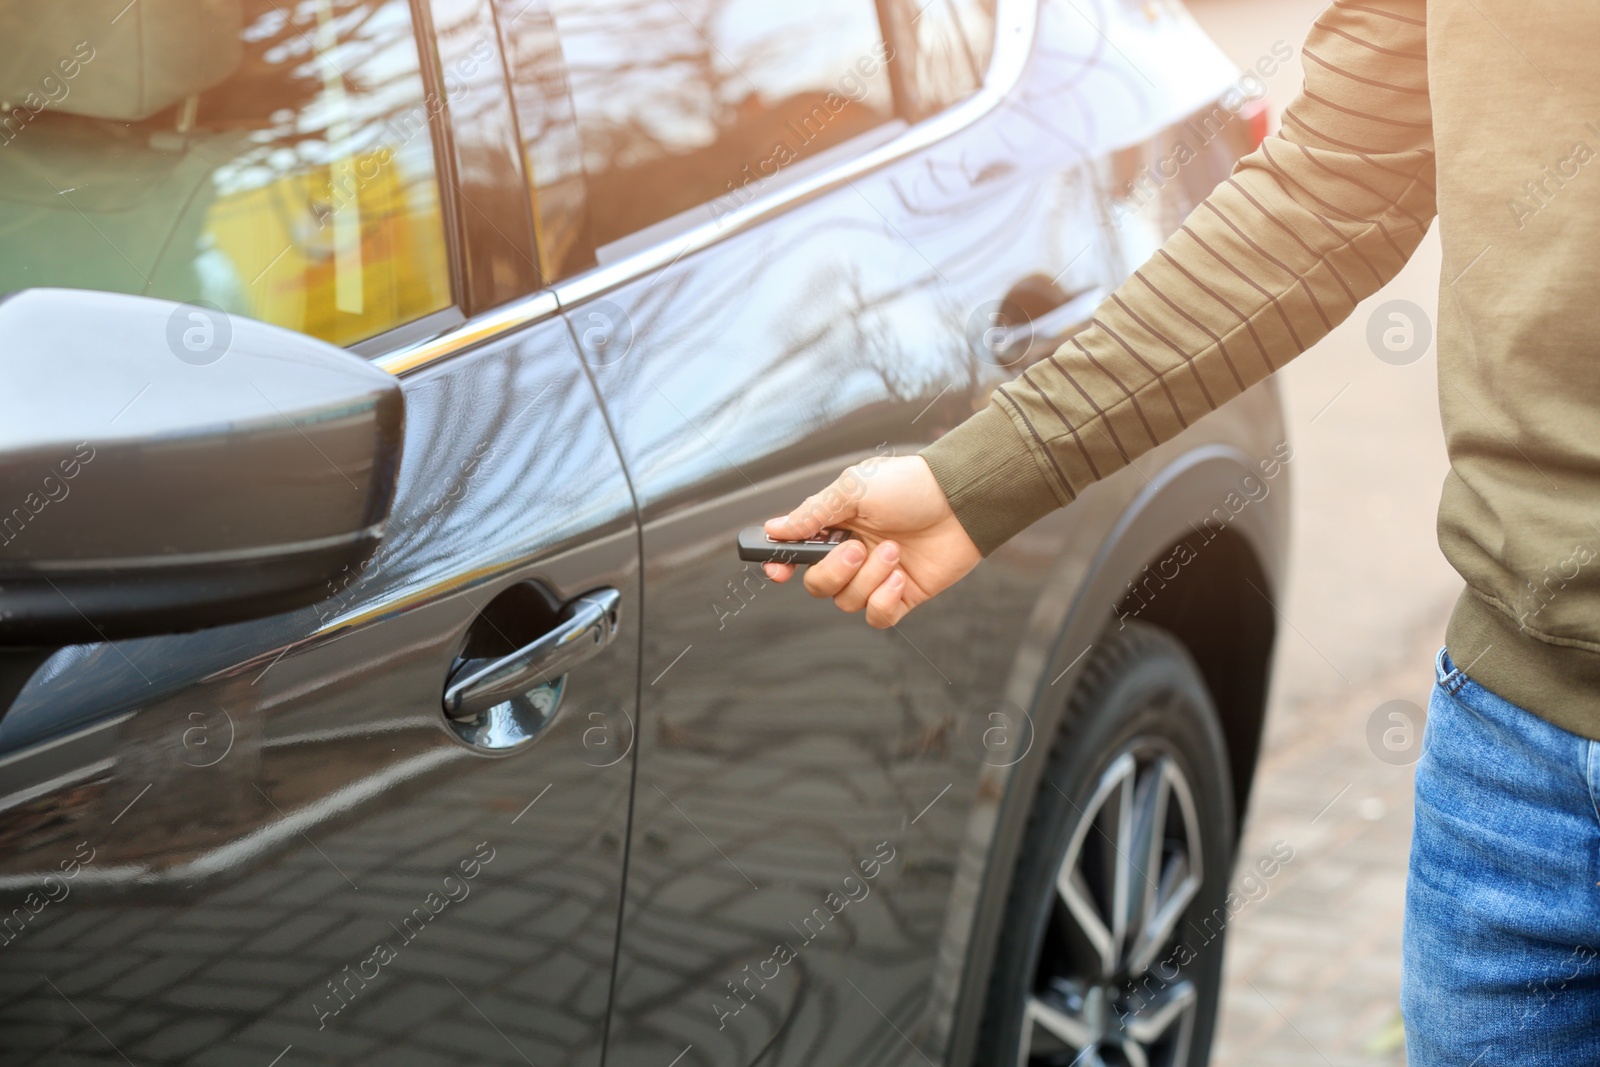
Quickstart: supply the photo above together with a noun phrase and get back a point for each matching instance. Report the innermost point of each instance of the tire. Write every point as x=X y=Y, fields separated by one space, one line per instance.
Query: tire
x=1139 y=747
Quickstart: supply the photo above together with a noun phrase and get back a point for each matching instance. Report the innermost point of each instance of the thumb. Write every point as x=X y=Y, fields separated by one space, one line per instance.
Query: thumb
x=831 y=507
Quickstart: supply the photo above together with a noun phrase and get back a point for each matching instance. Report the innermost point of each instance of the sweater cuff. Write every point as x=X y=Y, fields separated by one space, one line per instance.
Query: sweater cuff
x=994 y=482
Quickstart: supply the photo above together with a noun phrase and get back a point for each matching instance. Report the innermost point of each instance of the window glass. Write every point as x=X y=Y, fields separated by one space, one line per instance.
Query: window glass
x=270 y=157
x=947 y=46
x=699 y=105
x=550 y=146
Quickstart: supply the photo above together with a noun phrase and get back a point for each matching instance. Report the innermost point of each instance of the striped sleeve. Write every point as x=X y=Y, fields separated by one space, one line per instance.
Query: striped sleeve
x=1319 y=217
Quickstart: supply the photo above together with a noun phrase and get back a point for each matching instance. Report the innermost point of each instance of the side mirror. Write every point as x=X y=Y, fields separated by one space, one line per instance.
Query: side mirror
x=166 y=467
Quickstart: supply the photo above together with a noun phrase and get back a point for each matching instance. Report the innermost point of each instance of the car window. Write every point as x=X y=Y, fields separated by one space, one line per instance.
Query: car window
x=552 y=153
x=272 y=159
x=687 y=109
x=946 y=47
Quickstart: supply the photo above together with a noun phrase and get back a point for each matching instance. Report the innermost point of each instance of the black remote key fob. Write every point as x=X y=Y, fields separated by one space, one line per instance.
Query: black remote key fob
x=756 y=547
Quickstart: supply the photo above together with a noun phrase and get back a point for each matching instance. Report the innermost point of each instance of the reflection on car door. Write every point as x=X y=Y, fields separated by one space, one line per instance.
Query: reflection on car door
x=804 y=782
x=278 y=844
x=782 y=745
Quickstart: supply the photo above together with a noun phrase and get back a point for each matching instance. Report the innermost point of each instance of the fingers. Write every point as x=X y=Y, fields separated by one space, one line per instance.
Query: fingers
x=857 y=579
x=836 y=570
x=779 y=572
x=831 y=507
x=887 y=605
x=871 y=574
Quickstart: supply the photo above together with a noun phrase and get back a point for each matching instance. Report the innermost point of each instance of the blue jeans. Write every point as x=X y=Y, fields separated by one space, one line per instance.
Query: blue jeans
x=1502 y=934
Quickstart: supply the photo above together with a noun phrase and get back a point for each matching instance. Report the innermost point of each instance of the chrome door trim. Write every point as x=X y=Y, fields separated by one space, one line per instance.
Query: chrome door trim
x=1015 y=22
x=486 y=327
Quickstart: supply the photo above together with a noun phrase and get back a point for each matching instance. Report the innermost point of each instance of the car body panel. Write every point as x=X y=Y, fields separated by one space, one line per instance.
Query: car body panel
x=781 y=744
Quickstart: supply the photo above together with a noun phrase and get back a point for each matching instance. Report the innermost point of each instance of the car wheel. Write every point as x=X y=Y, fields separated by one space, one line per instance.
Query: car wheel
x=1111 y=949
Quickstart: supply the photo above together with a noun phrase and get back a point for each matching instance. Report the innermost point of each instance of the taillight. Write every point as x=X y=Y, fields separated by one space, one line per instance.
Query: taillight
x=1256 y=115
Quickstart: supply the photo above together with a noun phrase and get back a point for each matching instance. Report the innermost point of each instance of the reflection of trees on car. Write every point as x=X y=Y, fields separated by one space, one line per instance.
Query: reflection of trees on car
x=758 y=140
x=679 y=106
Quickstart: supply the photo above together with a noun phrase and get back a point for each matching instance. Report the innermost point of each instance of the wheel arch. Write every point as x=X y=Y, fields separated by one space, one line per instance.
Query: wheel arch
x=1218 y=610
x=1219 y=605
x=1216 y=594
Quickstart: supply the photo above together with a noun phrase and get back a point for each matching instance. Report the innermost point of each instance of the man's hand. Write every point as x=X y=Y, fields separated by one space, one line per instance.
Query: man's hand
x=910 y=544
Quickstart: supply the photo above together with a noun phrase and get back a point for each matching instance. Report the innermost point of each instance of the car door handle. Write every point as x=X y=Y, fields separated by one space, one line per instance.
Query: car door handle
x=1030 y=341
x=1068 y=315
x=587 y=625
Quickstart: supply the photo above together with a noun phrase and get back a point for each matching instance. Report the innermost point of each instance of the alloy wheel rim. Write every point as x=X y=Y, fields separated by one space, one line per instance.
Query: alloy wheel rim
x=1102 y=993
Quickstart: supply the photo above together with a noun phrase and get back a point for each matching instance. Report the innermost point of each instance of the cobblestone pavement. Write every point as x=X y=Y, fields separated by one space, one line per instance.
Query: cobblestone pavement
x=1313 y=968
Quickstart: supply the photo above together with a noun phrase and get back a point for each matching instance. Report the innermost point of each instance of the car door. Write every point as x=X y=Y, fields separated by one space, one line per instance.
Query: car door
x=805 y=783
x=268 y=843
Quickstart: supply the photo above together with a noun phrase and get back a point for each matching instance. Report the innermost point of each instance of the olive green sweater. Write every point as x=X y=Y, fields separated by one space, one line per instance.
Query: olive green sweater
x=1485 y=113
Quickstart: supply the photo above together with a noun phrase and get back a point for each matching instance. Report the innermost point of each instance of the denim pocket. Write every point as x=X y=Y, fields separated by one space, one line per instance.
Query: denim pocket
x=1455 y=682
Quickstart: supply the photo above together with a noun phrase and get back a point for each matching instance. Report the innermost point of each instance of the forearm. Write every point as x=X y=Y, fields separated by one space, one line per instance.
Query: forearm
x=1311 y=223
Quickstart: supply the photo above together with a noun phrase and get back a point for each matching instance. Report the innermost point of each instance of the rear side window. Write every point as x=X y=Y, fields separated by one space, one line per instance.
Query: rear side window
x=273 y=159
x=687 y=109
x=945 y=51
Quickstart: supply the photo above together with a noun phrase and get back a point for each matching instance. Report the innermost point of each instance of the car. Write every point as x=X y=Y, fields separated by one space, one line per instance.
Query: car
x=387 y=382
